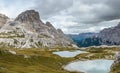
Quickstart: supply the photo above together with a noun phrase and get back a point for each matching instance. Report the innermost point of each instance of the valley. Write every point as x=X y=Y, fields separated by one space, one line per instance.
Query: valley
x=27 y=45
x=43 y=60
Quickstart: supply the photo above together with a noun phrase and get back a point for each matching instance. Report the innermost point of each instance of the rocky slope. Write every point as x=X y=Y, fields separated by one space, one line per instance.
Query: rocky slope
x=3 y=20
x=27 y=30
x=110 y=36
x=115 y=68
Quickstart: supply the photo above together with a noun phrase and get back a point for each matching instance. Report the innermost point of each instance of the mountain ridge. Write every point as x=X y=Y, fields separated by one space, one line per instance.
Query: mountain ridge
x=110 y=36
x=85 y=39
x=27 y=30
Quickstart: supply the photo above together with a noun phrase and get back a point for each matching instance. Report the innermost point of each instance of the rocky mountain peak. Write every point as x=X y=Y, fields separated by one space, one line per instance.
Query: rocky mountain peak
x=29 y=16
x=28 y=31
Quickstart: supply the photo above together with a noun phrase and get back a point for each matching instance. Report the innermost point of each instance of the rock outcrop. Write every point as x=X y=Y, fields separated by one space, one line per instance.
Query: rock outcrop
x=27 y=30
x=116 y=65
x=29 y=16
x=3 y=20
x=110 y=36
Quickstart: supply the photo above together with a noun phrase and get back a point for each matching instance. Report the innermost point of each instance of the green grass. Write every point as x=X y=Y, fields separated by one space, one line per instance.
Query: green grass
x=98 y=53
x=40 y=61
x=116 y=69
x=92 y=56
x=101 y=50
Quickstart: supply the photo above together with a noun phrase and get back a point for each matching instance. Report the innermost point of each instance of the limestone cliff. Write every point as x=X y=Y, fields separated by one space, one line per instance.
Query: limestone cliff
x=28 y=30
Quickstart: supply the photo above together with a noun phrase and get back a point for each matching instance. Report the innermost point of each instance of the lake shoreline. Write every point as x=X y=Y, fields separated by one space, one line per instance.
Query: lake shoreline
x=82 y=71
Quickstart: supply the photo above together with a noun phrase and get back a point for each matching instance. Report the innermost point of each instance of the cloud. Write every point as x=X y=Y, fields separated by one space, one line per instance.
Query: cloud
x=87 y=16
x=72 y=16
x=48 y=8
x=14 y=7
x=113 y=12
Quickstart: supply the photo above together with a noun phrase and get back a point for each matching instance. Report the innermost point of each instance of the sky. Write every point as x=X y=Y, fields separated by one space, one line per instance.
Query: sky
x=72 y=16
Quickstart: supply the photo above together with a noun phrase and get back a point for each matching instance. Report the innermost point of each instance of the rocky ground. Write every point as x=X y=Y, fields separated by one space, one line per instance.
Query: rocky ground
x=115 y=68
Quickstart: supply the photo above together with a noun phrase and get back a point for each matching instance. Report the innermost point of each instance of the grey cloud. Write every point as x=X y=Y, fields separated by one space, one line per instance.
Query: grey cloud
x=110 y=10
x=89 y=2
x=87 y=14
x=49 y=8
x=114 y=13
x=73 y=16
x=101 y=10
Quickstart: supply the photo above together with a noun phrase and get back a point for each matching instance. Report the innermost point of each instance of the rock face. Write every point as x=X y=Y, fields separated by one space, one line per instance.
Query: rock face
x=3 y=20
x=29 y=16
x=31 y=20
x=116 y=65
x=110 y=36
x=27 y=30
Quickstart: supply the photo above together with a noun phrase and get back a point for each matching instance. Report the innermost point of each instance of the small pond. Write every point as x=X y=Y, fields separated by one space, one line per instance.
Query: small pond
x=69 y=53
x=90 y=66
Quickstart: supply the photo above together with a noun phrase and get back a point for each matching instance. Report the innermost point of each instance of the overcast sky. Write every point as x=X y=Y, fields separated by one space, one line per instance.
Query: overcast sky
x=72 y=16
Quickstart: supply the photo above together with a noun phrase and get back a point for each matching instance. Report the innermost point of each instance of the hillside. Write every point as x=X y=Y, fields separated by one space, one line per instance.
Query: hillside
x=27 y=30
x=110 y=36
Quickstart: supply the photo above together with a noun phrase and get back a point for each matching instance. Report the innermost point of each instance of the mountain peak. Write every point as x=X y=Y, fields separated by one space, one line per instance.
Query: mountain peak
x=28 y=16
x=110 y=36
x=28 y=31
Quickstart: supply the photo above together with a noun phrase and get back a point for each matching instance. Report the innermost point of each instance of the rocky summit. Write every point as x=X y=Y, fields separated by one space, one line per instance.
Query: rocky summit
x=27 y=31
x=28 y=16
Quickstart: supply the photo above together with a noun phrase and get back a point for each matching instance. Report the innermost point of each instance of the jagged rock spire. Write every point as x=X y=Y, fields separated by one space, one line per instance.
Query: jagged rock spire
x=28 y=16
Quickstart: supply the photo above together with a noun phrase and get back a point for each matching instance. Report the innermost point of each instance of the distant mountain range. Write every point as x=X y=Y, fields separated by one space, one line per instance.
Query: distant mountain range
x=85 y=39
x=28 y=31
x=108 y=36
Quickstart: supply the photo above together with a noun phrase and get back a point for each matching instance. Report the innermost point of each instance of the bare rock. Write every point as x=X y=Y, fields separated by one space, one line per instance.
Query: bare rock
x=29 y=16
x=110 y=36
x=27 y=31
x=3 y=19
